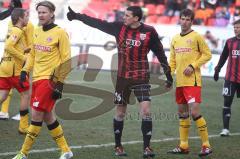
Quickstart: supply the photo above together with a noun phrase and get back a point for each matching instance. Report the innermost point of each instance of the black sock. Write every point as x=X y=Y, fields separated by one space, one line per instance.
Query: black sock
x=23 y=112
x=118 y=128
x=226 y=117
x=146 y=131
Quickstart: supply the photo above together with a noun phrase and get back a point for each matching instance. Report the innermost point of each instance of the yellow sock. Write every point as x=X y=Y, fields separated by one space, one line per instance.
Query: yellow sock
x=56 y=132
x=184 y=125
x=33 y=131
x=23 y=124
x=203 y=132
x=5 y=104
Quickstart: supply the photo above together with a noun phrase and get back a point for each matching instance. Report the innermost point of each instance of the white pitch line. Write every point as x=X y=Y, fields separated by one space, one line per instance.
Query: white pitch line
x=111 y=144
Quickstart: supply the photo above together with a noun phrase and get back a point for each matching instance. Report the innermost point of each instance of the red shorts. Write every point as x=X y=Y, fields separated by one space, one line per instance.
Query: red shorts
x=188 y=94
x=7 y=83
x=41 y=99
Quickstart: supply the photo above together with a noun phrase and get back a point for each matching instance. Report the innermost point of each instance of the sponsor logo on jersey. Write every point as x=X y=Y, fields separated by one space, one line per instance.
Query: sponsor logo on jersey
x=183 y=50
x=42 y=48
x=131 y=43
x=235 y=52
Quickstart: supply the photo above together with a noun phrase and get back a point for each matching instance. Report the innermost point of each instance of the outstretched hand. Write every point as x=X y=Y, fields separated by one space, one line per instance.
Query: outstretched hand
x=16 y=4
x=71 y=14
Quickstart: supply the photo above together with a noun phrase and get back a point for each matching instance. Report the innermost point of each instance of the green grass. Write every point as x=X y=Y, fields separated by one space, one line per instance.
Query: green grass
x=98 y=130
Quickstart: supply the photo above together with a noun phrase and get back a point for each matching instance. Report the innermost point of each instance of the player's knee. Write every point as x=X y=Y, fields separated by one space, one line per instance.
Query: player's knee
x=195 y=115
x=145 y=112
x=183 y=115
x=37 y=116
x=120 y=115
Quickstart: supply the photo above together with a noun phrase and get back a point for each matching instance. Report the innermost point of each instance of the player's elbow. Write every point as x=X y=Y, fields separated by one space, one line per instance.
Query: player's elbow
x=209 y=56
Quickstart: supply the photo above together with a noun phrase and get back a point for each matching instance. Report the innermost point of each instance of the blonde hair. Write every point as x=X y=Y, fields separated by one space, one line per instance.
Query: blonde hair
x=47 y=4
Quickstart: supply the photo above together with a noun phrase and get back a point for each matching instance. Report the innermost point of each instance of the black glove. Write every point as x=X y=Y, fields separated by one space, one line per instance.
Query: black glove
x=16 y=4
x=71 y=14
x=23 y=78
x=216 y=73
x=169 y=81
x=57 y=92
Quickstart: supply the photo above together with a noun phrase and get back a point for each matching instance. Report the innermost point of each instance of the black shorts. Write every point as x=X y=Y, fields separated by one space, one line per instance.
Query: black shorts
x=124 y=87
x=229 y=89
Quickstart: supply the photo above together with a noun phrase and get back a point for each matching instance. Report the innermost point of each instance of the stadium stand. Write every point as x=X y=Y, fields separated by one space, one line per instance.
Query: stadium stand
x=218 y=13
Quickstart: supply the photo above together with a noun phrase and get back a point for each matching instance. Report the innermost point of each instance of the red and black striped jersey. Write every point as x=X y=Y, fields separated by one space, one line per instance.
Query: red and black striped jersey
x=133 y=46
x=231 y=52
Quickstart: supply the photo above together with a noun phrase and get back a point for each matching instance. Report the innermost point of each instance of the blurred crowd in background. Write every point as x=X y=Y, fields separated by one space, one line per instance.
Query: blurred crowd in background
x=218 y=13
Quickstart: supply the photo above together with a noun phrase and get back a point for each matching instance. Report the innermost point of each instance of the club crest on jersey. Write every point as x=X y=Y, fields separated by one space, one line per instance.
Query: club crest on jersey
x=143 y=36
x=49 y=39
x=189 y=41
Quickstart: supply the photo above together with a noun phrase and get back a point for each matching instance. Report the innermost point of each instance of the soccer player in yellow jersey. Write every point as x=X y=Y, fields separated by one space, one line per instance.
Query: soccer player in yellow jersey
x=51 y=47
x=14 y=4
x=28 y=35
x=12 y=62
x=189 y=52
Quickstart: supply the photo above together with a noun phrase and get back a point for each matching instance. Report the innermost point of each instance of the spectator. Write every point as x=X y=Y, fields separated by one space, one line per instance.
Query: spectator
x=174 y=7
x=235 y=16
x=223 y=14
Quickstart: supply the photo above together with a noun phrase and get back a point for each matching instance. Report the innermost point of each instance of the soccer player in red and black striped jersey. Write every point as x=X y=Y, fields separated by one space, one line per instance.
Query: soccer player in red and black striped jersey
x=231 y=52
x=134 y=41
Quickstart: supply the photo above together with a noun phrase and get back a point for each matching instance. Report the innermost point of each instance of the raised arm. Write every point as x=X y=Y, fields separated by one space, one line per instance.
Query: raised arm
x=13 y=4
x=107 y=27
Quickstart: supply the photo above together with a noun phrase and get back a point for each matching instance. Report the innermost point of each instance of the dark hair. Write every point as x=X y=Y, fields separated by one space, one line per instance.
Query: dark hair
x=47 y=4
x=16 y=14
x=236 y=22
x=136 y=11
x=187 y=13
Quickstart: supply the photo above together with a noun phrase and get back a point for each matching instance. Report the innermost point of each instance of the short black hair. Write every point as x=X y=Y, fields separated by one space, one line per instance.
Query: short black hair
x=236 y=22
x=187 y=13
x=16 y=14
x=136 y=11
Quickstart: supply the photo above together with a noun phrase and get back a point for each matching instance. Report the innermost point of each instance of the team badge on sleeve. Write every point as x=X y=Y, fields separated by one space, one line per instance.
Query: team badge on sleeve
x=14 y=38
